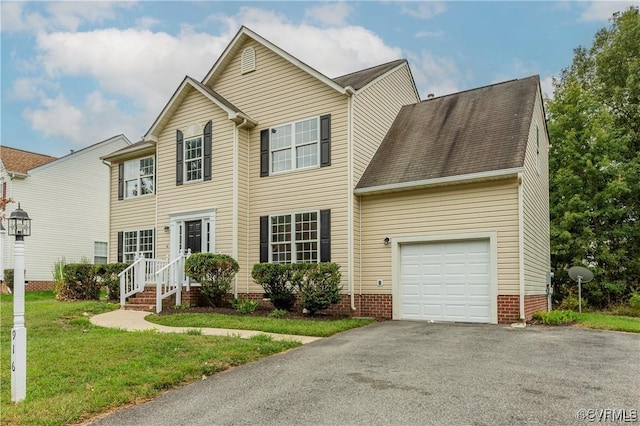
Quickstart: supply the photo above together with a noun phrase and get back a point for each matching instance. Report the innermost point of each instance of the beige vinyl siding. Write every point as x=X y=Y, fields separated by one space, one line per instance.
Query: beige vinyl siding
x=215 y=194
x=374 y=110
x=243 y=277
x=454 y=209
x=128 y=215
x=535 y=193
x=279 y=92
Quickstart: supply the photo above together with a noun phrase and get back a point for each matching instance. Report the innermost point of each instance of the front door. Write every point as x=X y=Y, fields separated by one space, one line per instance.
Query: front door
x=193 y=236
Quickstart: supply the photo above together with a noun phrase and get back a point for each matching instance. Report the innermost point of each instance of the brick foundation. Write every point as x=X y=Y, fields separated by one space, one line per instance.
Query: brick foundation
x=509 y=307
x=39 y=285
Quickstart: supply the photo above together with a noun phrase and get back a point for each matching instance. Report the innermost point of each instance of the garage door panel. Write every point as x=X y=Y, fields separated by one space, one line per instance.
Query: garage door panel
x=446 y=281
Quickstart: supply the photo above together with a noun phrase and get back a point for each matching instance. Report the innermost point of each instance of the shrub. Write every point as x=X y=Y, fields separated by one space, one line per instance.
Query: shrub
x=108 y=276
x=277 y=313
x=80 y=283
x=244 y=306
x=554 y=317
x=57 y=273
x=571 y=303
x=8 y=278
x=634 y=301
x=318 y=284
x=275 y=279
x=214 y=272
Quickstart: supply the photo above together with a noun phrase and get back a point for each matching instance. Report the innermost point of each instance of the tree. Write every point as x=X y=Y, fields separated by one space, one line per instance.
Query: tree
x=594 y=164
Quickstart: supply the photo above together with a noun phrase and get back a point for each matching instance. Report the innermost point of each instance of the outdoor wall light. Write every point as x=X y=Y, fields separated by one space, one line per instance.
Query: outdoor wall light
x=386 y=241
x=19 y=224
x=166 y=229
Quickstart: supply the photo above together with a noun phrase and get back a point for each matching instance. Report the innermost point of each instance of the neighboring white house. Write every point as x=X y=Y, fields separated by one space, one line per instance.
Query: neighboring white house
x=68 y=201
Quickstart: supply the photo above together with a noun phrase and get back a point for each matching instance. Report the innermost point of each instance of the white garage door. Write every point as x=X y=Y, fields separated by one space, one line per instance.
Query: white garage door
x=446 y=281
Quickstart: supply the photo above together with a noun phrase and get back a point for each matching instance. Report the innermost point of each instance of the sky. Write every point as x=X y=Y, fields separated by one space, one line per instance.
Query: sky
x=77 y=73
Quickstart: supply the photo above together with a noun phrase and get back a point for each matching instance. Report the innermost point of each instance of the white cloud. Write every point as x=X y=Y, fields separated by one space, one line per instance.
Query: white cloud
x=96 y=119
x=332 y=14
x=422 y=9
x=439 y=76
x=546 y=84
x=603 y=10
x=53 y=16
x=428 y=34
x=147 y=22
x=26 y=89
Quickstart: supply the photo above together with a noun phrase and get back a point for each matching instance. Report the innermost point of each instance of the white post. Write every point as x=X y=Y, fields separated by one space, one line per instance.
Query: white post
x=19 y=331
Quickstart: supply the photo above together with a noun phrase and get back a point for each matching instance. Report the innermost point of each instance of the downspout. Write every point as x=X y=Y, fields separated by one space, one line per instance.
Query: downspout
x=521 y=244
x=350 y=209
x=108 y=164
x=236 y=207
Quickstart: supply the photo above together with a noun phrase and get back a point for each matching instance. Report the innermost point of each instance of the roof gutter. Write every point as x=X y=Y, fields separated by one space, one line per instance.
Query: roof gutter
x=402 y=186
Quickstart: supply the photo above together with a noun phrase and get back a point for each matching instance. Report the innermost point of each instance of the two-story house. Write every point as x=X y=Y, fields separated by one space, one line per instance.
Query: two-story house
x=67 y=199
x=268 y=160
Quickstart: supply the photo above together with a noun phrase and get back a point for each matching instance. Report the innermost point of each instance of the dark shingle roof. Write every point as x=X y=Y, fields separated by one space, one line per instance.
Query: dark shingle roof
x=20 y=161
x=475 y=131
x=361 y=78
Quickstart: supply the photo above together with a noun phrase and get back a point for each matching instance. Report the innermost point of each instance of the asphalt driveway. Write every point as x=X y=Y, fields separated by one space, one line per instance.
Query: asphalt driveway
x=414 y=373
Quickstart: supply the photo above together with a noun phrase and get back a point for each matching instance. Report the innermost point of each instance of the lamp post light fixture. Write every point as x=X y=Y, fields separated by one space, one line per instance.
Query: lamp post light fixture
x=19 y=226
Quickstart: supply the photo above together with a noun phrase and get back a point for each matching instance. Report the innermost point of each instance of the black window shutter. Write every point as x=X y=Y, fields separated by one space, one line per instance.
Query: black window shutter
x=325 y=235
x=120 y=245
x=121 y=181
x=264 y=239
x=325 y=140
x=179 y=157
x=207 y=152
x=264 y=153
x=153 y=241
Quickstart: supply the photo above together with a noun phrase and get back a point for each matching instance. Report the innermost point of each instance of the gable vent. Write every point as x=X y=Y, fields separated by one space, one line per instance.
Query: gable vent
x=248 y=61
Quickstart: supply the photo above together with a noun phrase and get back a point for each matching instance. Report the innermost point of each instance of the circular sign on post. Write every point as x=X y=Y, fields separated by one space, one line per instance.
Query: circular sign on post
x=581 y=272
x=581 y=275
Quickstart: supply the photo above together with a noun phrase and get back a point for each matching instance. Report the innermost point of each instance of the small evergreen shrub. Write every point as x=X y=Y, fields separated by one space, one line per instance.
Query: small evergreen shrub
x=244 y=306
x=8 y=278
x=275 y=279
x=214 y=272
x=80 y=283
x=108 y=277
x=554 y=317
x=318 y=285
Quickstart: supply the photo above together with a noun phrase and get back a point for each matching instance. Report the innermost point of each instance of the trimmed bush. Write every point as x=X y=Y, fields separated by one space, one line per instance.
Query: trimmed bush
x=107 y=274
x=80 y=283
x=8 y=278
x=275 y=279
x=318 y=285
x=554 y=317
x=214 y=272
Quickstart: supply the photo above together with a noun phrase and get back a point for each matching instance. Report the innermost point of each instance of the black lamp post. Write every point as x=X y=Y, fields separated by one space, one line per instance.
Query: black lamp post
x=19 y=226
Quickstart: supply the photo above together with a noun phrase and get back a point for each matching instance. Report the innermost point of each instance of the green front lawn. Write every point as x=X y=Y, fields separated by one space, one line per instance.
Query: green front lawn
x=300 y=327
x=595 y=320
x=76 y=370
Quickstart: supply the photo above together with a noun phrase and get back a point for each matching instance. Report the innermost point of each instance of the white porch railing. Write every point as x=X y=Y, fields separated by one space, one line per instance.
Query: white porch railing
x=170 y=279
x=142 y=271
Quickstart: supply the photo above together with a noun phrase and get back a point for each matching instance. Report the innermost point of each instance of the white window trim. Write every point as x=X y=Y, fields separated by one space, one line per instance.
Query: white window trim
x=139 y=178
x=185 y=172
x=293 y=240
x=106 y=253
x=293 y=147
x=137 y=250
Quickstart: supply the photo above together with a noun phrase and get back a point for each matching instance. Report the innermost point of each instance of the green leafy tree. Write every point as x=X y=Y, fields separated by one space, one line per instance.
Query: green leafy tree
x=594 y=125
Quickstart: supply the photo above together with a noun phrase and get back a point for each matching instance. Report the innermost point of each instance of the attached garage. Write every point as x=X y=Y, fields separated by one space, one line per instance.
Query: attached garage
x=445 y=280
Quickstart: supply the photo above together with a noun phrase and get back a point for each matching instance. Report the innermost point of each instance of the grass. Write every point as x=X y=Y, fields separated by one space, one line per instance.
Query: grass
x=76 y=370
x=595 y=320
x=300 y=327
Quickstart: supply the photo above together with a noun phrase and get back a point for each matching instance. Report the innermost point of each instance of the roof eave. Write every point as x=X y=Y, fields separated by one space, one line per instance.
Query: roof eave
x=131 y=152
x=448 y=180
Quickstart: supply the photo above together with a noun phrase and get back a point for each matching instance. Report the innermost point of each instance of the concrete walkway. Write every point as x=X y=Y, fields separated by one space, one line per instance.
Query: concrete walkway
x=134 y=321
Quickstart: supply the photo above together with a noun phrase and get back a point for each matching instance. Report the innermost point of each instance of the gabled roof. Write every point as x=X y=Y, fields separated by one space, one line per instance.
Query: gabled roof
x=21 y=161
x=238 y=41
x=360 y=79
x=135 y=149
x=181 y=92
x=472 y=134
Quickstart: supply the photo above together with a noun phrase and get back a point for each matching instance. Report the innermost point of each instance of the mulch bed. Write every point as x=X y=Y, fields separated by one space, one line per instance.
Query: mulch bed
x=260 y=312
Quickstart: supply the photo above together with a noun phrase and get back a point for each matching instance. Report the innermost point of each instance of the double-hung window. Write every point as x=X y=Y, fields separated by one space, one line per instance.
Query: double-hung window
x=294 y=237
x=295 y=145
x=139 y=177
x=100 y=252
x=193 y=159
x=140 y=241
